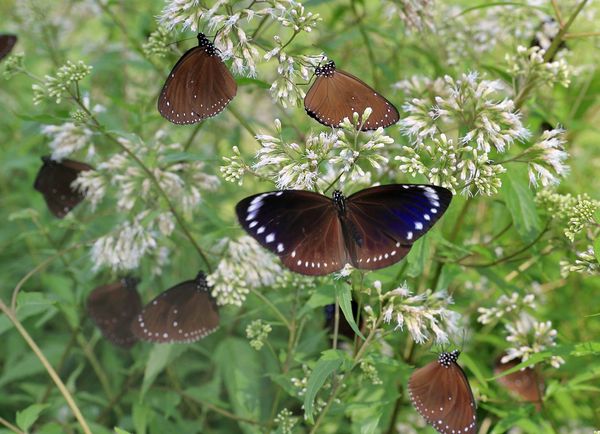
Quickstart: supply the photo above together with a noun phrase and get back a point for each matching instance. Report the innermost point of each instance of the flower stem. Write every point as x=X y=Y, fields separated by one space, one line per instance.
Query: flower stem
x=272 y=306
x=558 y=39
x=51 y=372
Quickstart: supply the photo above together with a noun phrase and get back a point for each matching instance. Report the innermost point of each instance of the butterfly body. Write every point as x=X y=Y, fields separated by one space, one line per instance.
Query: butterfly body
x=317 y=235
x=198 y=87
x=441 y=393
x=7 y=42
x=336 y=95
x=113 y=307
x=54 y=181
x=184 y=313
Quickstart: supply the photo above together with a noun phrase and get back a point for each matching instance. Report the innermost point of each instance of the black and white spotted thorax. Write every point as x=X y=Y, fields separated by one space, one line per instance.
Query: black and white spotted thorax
x=207 y=45
x=339 y=201
x=326 y=70
x=446 y=359
x=201 y=284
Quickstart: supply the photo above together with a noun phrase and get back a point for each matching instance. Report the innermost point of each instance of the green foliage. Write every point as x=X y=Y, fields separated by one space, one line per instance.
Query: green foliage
x=519 y=225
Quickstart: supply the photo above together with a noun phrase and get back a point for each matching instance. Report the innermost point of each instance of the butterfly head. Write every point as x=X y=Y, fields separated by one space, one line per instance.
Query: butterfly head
x=130 y=282
x=201 y=283
x=446 y=359
x=327 y=70
x=206 y=44
x=340 y=202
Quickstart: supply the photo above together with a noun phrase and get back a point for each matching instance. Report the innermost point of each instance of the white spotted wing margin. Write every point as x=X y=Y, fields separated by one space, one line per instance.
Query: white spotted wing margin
x=377 y=228
x=301 y=227
x=441 y=393
x=198 y=87
x=184 y=313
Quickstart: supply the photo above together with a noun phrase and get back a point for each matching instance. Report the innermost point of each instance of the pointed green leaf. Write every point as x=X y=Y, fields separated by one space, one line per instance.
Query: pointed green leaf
x=344 y=296
x=520 y=203
x=26 y=418
x=329 y=362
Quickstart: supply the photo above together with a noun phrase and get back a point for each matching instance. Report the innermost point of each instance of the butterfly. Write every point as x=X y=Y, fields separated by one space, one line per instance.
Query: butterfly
x=54 y=182
x=524 y=382
x=315 y=235
x=198 y=87
x=7 y=42
x=336 y=95
x=184 y=313
x=441 y=393
x=113 y=307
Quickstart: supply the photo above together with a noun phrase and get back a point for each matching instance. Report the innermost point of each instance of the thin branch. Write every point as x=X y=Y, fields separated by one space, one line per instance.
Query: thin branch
x=580 y=35
x=51 y=372
x=271 y=306
x=557 y=13
x=10 y=426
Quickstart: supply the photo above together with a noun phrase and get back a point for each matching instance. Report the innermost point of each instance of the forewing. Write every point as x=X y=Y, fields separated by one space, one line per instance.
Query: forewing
x=7 y=42
x=301 y=227
x=444 y=398
x=383 y=222
x=54 y=182
x=198 y=87
x=333 y=98
x=184 y=313
x=113 y=307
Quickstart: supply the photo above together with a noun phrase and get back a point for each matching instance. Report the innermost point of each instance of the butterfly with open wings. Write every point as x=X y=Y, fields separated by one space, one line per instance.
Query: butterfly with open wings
x=317 y=235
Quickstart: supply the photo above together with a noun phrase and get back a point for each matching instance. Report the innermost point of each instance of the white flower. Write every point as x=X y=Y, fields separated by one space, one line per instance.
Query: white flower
x=67 y=139
x=424 y=315
x=548 y=156
x=245 y=264
x=505 y=305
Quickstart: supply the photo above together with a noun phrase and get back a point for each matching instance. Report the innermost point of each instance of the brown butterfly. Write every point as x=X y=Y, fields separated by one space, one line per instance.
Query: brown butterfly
x=336 y=95
x=198 y=87
x=523 y=383
x=54 y=182
x=7 y=42
x=184 y=313
x=113 y=307
x=441 y=393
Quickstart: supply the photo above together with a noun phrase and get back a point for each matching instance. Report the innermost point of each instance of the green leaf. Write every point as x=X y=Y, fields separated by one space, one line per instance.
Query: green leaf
x=330 y=361
x=597 y=249
x=344 y=296
x=417 y=256
x=140 y=415
x=246 y=81
x=26 y=418
x=121 y=431
x=520 y=203
x=158 y=358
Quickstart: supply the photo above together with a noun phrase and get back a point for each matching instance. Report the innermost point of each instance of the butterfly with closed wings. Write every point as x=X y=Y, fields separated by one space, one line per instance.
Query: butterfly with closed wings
x=316 y=235
x=113 y=307
x=184 y=313
x=54 y=181
x=336 y=95
x=441 y=393
x=524 y=383
x=7 y=42
x=198 y=87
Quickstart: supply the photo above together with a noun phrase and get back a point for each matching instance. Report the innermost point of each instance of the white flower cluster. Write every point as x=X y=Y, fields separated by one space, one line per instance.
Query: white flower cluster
x=124 y=248
x=417 y=15
x=547 y=158
x=483 y=120
x=425 y=315
x=528 y=65
x=530 y=337
x=585 y=262
x=504 y=306
x=344 y=154
x=245 y=264
x=67 y=138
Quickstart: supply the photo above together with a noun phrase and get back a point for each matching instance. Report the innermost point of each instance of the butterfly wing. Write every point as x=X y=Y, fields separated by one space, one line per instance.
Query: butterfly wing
x=523 y=382
x=383 y=222
x=442 y=395
x=184 y=313
x=198 y=87
x=113 y=307
x=301 y=227
x=333 y=98
x=7 y=42
x=54 y=182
